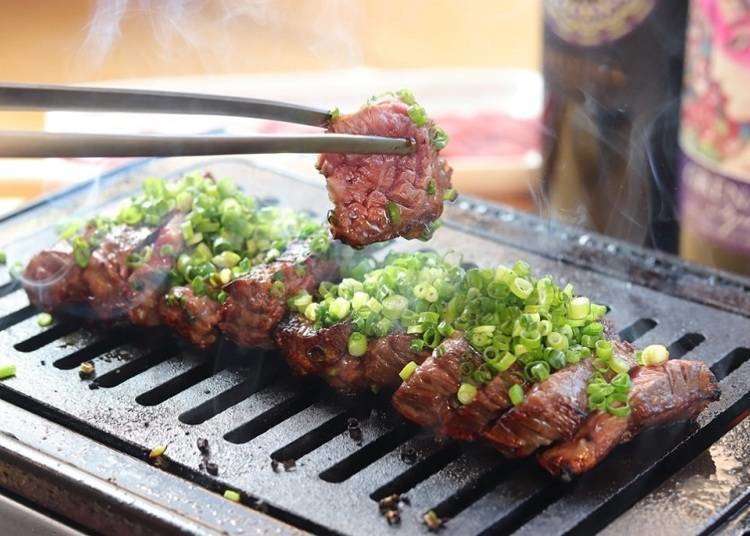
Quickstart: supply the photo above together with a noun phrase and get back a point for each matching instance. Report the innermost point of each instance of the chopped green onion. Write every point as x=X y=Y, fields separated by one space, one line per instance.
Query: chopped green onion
x=3 y=258
x=44 y=319
x=579 y=308
x=232 y=495
x=394 y=213
x=438 y=138
x=521 y=287
x=431 y=187
x=450 y=195
x=466 y=393
x=618 y=365
x=604 y=350
x=227 y=259
x=504 y=363
x=339 y=308
x=311 y=312
x=408 y=370
x=617 y=405
x=654 y=354
x=157 y=452
x=417 y=115
x=357 y=344
x=515 y=394
x=394 y=306
x=7 y=370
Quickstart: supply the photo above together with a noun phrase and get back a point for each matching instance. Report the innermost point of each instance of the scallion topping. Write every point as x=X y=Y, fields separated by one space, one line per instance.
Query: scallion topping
x=515 y=394
x=466 y=393
x=44 y=320
x=408 y=370
x=654 y=354
x=7 y=370
x=394 y=213
x=357 y=344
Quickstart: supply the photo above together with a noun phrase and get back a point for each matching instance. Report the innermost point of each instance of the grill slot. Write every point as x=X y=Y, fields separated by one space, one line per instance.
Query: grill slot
x=46 y=337
x=313 y=439
x=685 y=344
x=129 y=370
x=93 y=350
x=176 y=385
x=368 y=454
x=730 y=362
x=17 y=316
x=637 y=329
x=221 y=402
x=418 y=472
x=250 y=417
x=272 y=417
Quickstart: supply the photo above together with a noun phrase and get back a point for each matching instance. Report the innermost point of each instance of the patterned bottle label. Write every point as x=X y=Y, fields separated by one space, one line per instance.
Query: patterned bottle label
x=594 y=22
x=715 y=123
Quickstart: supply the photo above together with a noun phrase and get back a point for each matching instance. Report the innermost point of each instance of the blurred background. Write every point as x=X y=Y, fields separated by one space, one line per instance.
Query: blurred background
x=322 y=52
x=627 y=117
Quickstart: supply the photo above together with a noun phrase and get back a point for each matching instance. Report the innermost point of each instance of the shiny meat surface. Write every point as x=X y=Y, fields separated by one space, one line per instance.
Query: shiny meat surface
x=148 y=282
x=380 y=197
x=468 y=422
x=675 y=391
x=552 y=410
x=107 y=272
x=323 y=352
x=256 y=303
x=194 y=317
x=428 y=397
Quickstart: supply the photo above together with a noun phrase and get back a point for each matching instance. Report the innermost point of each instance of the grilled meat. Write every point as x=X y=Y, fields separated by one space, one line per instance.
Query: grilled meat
x=677 y=390
x=257 y=302
x=379 y=197
x=324 y=352
x=552 y=410
x=53 y=280
x=194 y=317
x=428 y=397
x=147 y=282
x=107 y=272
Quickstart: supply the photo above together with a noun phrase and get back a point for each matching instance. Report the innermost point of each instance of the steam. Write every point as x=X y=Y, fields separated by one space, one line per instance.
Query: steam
x=213 y=31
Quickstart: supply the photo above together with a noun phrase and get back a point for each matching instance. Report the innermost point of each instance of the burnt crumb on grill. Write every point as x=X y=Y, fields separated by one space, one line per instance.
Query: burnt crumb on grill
x=433 y=522
x=207 y=392
x=93 y=386
x=409 y=455
x=212 y=468
x=43 y=363
x=288 y=465
x=390 y=507
x=87 y=370
x=146 y=424
x=355 y=432
x=203 y=446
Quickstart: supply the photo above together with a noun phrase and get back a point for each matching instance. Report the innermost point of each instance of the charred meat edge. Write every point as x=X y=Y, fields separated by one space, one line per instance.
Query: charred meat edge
x=323 y=352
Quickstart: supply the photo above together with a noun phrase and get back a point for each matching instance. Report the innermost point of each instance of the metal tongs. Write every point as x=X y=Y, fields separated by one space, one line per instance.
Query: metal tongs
x=22 y=144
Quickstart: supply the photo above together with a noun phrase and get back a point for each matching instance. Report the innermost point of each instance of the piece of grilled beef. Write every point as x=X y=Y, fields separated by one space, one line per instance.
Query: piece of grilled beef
x=323 y=352
x=379 y=197
x=148 y=281
x=107 y=272
x=674 y=391
x=257 y=302
x=551 y=411
x=193 y=317
x=428 y=397
x=53 y=280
